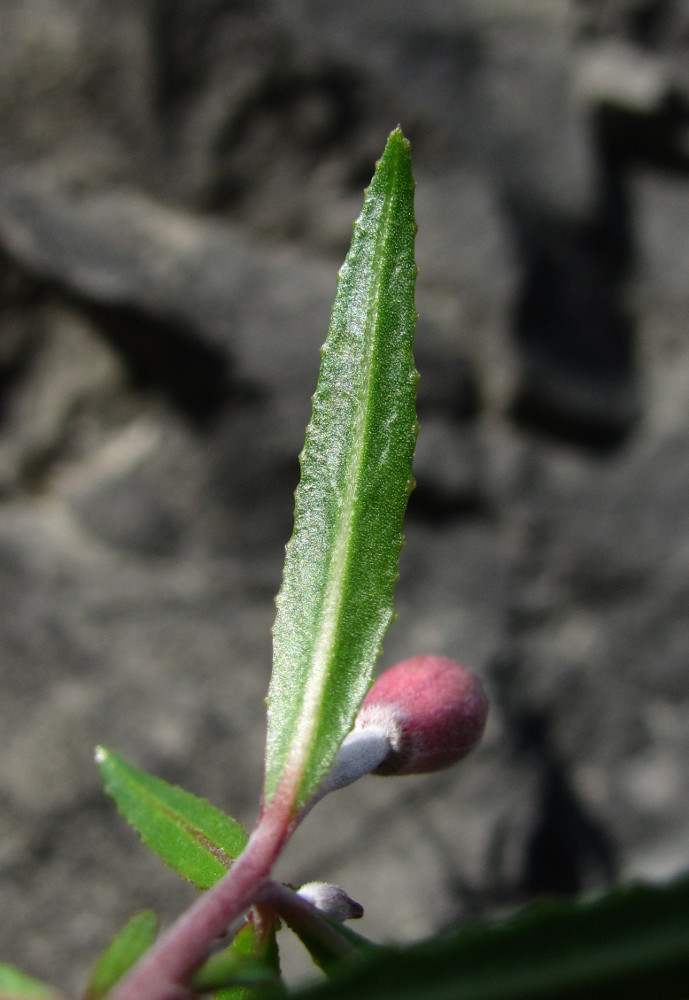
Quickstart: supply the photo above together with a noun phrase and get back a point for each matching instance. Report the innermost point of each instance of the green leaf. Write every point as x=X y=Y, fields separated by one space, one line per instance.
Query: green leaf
x=187 y=832
x=16 y=985
x=335 y=603
x=126 y=948
x=245 y=967
x=326 y=958
x=632 y=943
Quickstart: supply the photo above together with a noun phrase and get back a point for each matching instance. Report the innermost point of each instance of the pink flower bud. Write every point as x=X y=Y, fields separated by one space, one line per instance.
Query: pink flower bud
x=432 y=711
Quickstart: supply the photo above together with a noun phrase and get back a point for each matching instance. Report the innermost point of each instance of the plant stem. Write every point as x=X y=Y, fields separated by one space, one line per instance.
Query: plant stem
x=303 y=918
x=161 y=974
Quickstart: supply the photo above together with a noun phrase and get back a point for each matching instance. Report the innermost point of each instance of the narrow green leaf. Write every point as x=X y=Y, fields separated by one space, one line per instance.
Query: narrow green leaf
x=230 y=969
x=632 y=943
x=243 y=969
x=187 y=832
x=323 y=956
x=126 y=948
x=335 y=603
x=16 y=985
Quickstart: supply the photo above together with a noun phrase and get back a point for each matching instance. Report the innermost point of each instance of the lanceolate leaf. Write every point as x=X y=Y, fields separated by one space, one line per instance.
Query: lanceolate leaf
x=633 y=944
x=126 y=948
x=249 y=963
x=335 y=603
x=16 y=985
x=325 y=957
x=188 y=833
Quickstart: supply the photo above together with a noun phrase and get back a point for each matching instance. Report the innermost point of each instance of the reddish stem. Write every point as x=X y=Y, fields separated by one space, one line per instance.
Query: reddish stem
x=161 y=974
x=300 y=915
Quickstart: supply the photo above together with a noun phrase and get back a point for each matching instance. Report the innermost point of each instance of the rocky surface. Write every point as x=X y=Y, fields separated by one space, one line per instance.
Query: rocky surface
x=177 y=188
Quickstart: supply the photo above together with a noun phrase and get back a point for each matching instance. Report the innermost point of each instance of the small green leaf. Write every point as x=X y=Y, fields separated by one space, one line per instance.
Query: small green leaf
x=326 y=958
x=229 y=969
x=126 y=948
x=632 y=943
x=245 y=967
x=16 y=985
x=187 y=832
x=335 y=603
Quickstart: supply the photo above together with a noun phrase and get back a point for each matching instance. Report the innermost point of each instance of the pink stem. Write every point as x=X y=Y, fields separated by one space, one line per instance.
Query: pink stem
x=161 y=974
x=301 y=915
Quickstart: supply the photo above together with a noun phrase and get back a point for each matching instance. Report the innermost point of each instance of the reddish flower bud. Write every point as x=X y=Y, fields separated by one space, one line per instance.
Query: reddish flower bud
x=432 y=711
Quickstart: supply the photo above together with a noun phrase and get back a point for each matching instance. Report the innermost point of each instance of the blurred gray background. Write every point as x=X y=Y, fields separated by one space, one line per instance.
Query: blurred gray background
x=178 y=184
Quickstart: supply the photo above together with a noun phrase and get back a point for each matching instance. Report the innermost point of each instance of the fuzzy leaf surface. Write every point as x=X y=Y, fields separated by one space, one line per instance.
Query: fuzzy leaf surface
x=335 y=603
x=16 y=985
x=126 y=948
x=187 y=832
x=632 y=943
